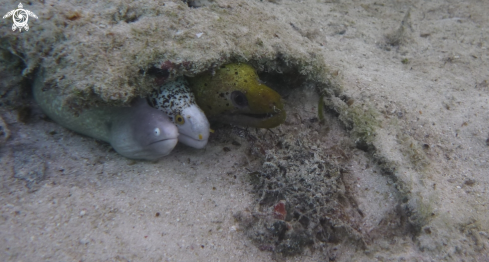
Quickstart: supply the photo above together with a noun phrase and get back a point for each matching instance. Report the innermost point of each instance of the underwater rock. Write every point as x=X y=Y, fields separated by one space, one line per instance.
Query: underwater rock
x=234 y=94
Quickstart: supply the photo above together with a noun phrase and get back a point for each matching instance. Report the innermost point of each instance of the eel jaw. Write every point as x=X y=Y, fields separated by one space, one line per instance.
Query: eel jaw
x=192 y=142
x=268 y=120
x=152 y=151
x=160 y=148
x=195 y=131
x=162 y=140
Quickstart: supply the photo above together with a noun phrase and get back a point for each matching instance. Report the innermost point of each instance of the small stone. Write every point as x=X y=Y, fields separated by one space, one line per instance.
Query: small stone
x=469 y=182
x=84 y=241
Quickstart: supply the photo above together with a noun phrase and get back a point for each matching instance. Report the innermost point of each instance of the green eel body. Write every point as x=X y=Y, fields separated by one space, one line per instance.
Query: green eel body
x=137 y=132
x=234 y=94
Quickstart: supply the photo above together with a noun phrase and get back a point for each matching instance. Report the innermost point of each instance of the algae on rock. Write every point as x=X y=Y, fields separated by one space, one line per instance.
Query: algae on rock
x=107 y=54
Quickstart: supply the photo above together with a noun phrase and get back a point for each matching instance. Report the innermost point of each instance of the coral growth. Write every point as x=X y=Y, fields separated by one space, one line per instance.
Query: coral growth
x=302 y=201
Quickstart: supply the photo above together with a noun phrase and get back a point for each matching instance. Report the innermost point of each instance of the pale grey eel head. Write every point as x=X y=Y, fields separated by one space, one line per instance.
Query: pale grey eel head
x=193 y=127
x=143 y=132
x=178 y=102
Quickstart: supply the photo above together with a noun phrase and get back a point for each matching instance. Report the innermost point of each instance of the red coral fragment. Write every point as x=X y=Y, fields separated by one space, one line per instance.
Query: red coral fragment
x=187 y=65
x=279 y=211
x=167 y=65
x=167 y=69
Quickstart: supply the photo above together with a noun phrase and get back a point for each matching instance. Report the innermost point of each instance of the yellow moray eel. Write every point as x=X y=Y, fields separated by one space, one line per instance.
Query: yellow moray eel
x=234 y=94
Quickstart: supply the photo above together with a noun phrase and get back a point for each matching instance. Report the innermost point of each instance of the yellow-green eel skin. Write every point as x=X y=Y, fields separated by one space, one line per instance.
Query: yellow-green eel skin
x=234 y=94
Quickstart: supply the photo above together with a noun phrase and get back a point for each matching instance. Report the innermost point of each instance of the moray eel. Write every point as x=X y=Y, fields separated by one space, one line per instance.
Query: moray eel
x=137 y=132
x=178 y=102
x=234 y=94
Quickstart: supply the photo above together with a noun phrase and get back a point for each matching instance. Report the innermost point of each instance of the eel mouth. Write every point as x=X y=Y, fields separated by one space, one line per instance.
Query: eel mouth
x=190 y=137
x=192 y=142
x=163 y=140
x=259 y=116
x=153 y=150
x=265 y=120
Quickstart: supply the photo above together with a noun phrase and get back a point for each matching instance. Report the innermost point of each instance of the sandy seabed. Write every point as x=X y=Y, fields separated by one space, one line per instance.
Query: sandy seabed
x=422 y=66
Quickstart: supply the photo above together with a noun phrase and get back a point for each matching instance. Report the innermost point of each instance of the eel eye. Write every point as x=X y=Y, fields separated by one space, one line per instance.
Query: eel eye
x=239 y=99
x=157 y=131
x=179 y=120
